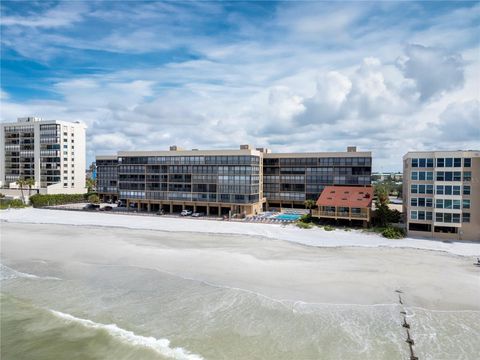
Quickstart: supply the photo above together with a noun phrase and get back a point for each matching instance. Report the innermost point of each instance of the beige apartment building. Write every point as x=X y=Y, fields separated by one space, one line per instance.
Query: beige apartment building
x=225 y=182
x=442 y=194
x=50 y=152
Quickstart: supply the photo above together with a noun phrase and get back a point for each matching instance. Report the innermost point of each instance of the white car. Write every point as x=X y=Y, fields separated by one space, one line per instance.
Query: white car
x=186 y=212
x=198 y=214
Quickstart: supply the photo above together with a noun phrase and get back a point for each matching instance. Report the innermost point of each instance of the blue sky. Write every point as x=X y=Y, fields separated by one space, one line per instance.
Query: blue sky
x=293 y=76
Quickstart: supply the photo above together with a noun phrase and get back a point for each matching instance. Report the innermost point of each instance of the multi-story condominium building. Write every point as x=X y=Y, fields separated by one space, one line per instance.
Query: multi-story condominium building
x=291 y=178
x=107 y=177
x=243 y=181
x=50 y=152
x=442 y=194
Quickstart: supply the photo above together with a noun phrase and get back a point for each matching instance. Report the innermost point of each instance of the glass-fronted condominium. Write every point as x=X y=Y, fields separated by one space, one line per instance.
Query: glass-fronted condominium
x=442 y=194
x=291 y=178
x=50 y=152
x=220 y=182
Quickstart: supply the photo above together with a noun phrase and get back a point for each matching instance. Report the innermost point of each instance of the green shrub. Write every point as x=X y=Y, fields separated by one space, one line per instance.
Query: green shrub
x=15 y=203
x=328 y=228
x=303 y=225
x=39 y=200
x=393 y=233
x=94 y=199
x=306 y=218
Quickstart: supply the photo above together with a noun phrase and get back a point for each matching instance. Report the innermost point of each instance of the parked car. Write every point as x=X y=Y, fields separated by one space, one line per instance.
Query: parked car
x=107 y=208
x=198 y=214
x=186 y=212
x=161 y=212
x=91 y=207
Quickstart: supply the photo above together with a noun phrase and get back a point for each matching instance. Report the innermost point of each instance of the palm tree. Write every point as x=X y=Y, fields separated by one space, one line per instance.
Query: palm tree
x=21 y=182
x=309 y=204
x=30 y=182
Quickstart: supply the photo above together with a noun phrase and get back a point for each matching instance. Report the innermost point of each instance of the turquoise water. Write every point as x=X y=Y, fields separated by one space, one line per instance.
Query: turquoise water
x=291 y=217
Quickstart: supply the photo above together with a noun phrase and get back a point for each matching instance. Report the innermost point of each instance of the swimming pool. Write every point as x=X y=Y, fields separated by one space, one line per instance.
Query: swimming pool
x=292 y=217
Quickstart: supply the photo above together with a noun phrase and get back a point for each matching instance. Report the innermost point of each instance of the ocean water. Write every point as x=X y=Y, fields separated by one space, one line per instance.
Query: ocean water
x=94 y=311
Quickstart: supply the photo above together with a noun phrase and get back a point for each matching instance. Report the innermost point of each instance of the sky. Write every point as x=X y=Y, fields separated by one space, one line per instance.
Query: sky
x=388 y=77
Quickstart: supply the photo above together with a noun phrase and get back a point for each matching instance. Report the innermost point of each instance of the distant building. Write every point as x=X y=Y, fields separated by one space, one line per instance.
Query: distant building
x=244 y=181
x=50 y=152
x=441 y=194
x=383 y=176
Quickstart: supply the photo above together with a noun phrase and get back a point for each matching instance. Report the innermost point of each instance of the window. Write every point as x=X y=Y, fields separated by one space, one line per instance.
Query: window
x=448 y=162
x=429 y=189
x=441 y=162
x=466 y=190
x=422 y=163
x=414 y=163
x=466 y=217
x=456 y=190
x=457 y=176
x=421 y=215
x=467 y=176
x=413 y=202
x=65 y=184
x=440 y=176
x=439 y=203
x=466 y=204
x=413 y=215
x=428 y=202
x=414 y=175
x=414 y=189
x=439 y=189
x=428 y=215
x=430 y=163
x=457 y=162
x=467 y=162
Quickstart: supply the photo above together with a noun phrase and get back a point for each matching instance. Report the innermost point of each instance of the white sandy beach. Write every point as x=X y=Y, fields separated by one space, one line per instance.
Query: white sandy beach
x=312 y=237
x=226 y=290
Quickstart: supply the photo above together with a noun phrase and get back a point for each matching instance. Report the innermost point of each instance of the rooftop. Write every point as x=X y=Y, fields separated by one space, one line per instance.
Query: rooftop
x=347 y=196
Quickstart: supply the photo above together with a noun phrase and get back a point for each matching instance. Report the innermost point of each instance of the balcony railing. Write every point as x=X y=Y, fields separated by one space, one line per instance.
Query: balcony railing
x=340 y=214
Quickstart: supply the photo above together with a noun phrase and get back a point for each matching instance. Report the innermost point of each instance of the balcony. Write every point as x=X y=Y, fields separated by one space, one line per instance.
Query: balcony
x=364 y=214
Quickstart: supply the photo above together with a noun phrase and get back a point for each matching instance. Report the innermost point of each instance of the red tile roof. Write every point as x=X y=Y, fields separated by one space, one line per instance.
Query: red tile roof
x=347 y=196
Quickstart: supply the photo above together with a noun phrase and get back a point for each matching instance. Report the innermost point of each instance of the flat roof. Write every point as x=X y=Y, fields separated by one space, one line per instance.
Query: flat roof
x=319 y=154
x=442 y=153
x=232 y=152
x=106 y=157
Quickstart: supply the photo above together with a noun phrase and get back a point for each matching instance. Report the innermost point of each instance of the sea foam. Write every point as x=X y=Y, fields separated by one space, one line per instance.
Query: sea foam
x=7 y=273
x=161 y=346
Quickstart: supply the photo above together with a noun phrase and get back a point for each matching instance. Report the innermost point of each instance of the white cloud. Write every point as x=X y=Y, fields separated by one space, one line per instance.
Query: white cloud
x=434 y=70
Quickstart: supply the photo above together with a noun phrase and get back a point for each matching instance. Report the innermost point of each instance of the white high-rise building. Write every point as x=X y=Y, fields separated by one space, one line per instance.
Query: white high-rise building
x=51 y=152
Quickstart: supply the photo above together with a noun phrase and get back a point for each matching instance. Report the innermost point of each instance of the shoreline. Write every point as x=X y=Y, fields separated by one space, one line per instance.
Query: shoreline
x=315 y=237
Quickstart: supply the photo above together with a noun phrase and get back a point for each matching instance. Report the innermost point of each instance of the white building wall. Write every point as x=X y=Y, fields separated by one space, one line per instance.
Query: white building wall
x=73 y=171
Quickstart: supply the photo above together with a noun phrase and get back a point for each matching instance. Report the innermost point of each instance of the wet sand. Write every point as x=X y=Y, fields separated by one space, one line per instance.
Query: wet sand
x=278 y=270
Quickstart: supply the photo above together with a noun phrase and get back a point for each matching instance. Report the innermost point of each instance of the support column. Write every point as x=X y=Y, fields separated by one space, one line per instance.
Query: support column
x=171 y=208
x=139 y=206
x=148 y=207
x=183 y=206
x=208 y=210
x=194 y=207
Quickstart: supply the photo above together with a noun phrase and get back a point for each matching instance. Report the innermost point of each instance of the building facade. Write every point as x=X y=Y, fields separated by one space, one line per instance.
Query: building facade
x=50 y=152
x=214 y=182
x=291 y=178
x=221 y=182
x=106 y=173
x=352 y=203
x=442 y=194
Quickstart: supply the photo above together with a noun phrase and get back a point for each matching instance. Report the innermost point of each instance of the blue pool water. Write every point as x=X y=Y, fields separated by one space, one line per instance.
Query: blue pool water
x=292 y=217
